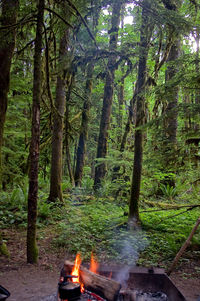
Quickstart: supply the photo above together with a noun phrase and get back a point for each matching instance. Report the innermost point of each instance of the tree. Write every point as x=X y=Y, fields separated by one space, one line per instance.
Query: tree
x=100 y=169
x=145 y=35
x=81 y=149
x=32 y=251
x=170 y=112
x=58 y=123
x=7 y=45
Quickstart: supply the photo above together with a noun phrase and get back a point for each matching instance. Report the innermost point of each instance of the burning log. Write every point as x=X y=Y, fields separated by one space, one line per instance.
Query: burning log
x=103 y=286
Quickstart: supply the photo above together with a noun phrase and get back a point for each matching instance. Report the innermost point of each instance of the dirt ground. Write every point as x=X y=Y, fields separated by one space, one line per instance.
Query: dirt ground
x=33 y=282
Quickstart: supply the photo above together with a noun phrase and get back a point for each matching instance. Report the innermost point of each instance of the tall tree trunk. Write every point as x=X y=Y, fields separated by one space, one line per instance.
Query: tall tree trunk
x=81 y=150
x=100 y=170
x=116 y=169
x=197 y=39
x=32 y=251
x=145 y=34
x=172 y=97
x=67 y=133
x=7 y=44
x=58 y=116
x=197 y=93
x=170 y=113
x=120 y=113
x=120 y=88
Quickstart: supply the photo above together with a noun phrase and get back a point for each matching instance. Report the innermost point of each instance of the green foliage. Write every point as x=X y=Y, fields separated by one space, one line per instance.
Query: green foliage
x=13 y=207
x=99 y=226
x=166 y=235
x=168 y=191
x=87 y=222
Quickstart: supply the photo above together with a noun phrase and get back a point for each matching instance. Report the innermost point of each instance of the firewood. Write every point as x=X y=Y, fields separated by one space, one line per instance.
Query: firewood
x=103 y=286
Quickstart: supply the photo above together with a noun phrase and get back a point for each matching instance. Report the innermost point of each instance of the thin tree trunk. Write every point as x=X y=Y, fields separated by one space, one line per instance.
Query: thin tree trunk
x=145 y=33
x=100 y=169
x=197 y=93
x=120 y=90
x=197 y=39
x=67 y=133
x=57 y=136
x=125 y=135
x=120 y=114
x=170 y=113
x=32 y=251
x=7 y=44
x=170 y=118
x=81 y=150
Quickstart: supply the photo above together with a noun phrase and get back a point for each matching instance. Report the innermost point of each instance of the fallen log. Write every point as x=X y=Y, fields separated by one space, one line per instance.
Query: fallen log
x=103 y=286
x=184 y=246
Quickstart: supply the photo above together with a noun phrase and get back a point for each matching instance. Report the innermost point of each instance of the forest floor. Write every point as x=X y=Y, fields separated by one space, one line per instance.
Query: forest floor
x=33 y=282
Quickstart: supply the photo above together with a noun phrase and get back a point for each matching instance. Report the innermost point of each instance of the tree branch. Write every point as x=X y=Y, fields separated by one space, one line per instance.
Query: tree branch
x=57 y=15
x=83 y=21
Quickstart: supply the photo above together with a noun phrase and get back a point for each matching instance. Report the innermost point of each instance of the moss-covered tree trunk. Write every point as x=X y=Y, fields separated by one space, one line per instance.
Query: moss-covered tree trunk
x=32 y=251
x=9 y=9
x=100 y=169
x=81 y=149
x=172 y=89
x=120 y=114
x=67 y=132
x=127 y=129
x=58 y=123
x=145 y=34
x=197 y=93
x=3 y=248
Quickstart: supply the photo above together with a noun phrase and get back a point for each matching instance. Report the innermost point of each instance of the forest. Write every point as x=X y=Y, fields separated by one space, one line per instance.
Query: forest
x=100 y=132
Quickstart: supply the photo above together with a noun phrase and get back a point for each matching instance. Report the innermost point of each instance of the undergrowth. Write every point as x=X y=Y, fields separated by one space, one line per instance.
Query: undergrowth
x=86 y=223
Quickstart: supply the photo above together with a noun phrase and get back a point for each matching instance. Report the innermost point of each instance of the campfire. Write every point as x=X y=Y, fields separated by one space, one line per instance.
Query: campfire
x=80 y=283
x=94 y=284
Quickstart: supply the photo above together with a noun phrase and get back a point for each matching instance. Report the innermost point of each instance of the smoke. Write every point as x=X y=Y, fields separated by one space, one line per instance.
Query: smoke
x=128 y=245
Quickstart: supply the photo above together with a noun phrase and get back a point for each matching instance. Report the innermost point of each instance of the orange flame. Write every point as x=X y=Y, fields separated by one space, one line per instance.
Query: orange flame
x=93 y=264
x=75 y=271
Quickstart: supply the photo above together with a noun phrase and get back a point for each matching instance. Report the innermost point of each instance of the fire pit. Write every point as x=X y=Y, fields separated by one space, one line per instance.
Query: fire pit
x=141 y=281
x=139 y=284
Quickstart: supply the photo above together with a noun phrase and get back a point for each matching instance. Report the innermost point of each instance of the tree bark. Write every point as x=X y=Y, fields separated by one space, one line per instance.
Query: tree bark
x=120 y=114
x=120 y=88
x=67 y=133
x=32 y=251
x=145 y=33
x=58 y=123
x=100 y=169
x=116 y=169
x=170 y=113
x=81 y=150
x=197 y=40
x=7 y=44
